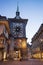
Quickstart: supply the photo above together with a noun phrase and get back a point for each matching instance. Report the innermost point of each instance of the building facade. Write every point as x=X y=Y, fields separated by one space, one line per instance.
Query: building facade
x=15 y=41
x=4 y=31
x=29 y=51
x=37 y=44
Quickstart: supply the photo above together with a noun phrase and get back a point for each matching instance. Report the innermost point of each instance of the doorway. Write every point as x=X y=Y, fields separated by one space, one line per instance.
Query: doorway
x=17 y=55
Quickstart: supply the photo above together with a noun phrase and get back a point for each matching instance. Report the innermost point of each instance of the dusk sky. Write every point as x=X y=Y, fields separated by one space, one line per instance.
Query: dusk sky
x=29 y=9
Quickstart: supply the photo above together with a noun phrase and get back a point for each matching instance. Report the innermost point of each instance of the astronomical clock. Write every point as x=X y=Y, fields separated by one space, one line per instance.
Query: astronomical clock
x=17 y=29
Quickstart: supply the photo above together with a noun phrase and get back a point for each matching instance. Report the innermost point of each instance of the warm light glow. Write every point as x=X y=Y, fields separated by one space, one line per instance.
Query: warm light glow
x=20 y=40
x=4 y=55
x=6 y=25
x=41 y=40
x=37 y=55
x=42 y=55
x=19 y=54
x=24 y=44
x=19 y=43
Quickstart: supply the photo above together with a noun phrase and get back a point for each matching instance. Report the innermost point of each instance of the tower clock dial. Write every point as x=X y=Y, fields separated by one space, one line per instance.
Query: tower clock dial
x=18 y=29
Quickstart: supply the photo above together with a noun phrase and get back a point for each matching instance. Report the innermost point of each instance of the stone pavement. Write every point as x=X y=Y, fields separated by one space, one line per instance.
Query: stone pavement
x=29 y=62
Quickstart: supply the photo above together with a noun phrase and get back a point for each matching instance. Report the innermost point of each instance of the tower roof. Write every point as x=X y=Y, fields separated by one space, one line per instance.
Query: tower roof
x=17 y=8
x=17 y=13
x=17 y=18
x=3 y=17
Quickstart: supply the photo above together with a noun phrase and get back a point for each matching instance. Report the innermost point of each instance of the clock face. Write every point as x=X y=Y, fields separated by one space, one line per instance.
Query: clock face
x=18 y=29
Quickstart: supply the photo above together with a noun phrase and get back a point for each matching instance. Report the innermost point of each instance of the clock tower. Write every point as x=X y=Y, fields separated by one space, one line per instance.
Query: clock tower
x=18 y=35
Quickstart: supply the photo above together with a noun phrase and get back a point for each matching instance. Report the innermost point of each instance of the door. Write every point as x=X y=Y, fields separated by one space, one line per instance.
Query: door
x=17 y=55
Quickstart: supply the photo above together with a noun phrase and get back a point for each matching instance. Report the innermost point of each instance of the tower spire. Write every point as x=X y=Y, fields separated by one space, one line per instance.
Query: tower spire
x=17 y=8
x=17 y=12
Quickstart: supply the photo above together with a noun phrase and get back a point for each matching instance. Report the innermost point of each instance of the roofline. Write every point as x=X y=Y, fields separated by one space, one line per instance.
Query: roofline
x=17 y=19
x=38 y=33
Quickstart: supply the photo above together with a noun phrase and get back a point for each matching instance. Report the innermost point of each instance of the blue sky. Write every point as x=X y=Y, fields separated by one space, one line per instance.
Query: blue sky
x=29 y=9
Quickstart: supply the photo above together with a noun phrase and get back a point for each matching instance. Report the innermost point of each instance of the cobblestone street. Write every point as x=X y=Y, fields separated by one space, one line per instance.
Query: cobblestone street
x=29 y=62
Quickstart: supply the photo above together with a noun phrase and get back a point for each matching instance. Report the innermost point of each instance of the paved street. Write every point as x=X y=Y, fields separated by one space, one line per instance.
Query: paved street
x=29 y=62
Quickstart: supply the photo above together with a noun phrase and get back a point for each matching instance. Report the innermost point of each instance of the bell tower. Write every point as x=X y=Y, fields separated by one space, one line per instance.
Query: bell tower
x=18 y=32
